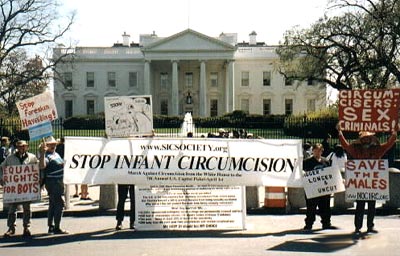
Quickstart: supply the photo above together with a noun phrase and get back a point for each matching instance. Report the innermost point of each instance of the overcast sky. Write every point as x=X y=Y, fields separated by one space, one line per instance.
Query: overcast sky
x=101 y=23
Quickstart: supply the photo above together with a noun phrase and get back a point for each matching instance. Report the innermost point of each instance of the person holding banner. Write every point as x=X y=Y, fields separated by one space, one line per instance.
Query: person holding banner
x=367 y=146
x=122 y=196
x=317 y=161
x=53 y=166
x=20 y=157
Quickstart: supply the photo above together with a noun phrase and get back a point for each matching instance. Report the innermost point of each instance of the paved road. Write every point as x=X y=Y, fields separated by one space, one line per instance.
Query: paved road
x=92 y=233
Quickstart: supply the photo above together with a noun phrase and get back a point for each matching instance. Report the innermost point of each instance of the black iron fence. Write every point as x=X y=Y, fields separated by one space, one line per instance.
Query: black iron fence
x=309 y=130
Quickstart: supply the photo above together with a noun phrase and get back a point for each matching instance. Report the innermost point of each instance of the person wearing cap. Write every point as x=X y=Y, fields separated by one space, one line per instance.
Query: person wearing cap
x=53 y=167
x=367 y=146
x=4 y=149
x=20 y=157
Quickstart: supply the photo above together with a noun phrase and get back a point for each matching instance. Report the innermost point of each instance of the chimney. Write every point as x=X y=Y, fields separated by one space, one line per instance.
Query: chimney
x=253 y=38
x=125 y=39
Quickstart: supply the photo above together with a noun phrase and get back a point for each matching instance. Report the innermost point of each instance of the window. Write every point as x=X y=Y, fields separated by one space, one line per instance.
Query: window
x=266 y=106
x=214 y=107
x=164 y=80
x=164 y=107
x=67 y=80
x=132 y=79
x=245 y=105
x=288 y=81
x=214 y=79
x=90 y=79
x=90 y=107
x=266 y=78
x=68 y=108
x=288 y=106
x=189 y=79
x=245 y=78
x=310 y=105
x=111 y=79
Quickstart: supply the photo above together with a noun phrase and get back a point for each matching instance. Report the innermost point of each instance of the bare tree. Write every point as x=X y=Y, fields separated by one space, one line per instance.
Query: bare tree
x=29 y=26
x=356 y=49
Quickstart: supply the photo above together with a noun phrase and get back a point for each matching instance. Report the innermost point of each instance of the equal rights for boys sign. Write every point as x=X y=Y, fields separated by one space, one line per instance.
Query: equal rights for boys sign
x=368 y=110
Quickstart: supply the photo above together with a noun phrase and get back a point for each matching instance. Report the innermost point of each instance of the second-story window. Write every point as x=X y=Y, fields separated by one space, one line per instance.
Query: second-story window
x=189 y=79
x=111 y=79
x=67 y=80
x=288 y=106
x=90 y=79
x=214 y=79
x=164 y=80
x=266 y=78
x=132 y=79
x=245 y=78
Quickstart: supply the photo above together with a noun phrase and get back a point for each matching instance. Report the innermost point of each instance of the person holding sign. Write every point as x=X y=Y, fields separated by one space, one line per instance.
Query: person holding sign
x=53 y=166
x=20 y=157
x=317 y=161
x=367 y=146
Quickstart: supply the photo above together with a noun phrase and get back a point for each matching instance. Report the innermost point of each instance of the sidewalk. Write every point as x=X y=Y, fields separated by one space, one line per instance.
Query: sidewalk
x=93 y=233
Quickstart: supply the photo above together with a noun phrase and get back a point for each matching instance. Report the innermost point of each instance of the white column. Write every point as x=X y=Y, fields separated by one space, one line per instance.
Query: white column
x=175 y=89
x=231 y=85
x=203 y=99
x=146 y=89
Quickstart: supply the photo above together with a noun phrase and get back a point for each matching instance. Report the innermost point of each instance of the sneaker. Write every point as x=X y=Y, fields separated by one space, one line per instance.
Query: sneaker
x=307 y=227
x=357 y=232
x=75 y=196
x=372 y=231
x=26 y=233
x=131 y=226
x=10 y=232
x=51 y=229
x=59 y=231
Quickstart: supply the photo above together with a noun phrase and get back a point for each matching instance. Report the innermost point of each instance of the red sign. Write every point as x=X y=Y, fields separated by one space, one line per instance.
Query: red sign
x=368 y=110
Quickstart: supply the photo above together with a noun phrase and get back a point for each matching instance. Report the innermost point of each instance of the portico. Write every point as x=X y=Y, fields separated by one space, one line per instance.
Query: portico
x=195 y=77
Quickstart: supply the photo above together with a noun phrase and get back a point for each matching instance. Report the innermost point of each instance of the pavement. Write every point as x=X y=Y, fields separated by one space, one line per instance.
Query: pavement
x=92 y=232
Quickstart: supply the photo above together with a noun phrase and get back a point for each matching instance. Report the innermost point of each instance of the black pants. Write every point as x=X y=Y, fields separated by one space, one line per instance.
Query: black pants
x=122 y=196
x=324 y=207
x=359 y=216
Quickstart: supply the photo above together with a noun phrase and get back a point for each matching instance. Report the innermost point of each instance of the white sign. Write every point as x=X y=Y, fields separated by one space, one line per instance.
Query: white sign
x=367 y=179
x=156 y=161
x=324 y=181
x=127 y=116
x=21 y=183
x=37 y=110
x=190 y=208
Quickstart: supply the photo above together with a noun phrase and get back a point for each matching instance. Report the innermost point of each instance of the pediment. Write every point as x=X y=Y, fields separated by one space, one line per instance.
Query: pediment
x=189 y=40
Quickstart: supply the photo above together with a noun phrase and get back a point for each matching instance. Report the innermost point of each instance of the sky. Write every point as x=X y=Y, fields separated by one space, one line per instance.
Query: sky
x=100 y=24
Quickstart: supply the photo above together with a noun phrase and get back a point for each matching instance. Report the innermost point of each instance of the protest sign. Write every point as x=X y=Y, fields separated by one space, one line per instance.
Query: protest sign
x=158 y=161
x=40 y=131
x=368 y=110
x=324 y=181
x=367 y=179
x=127 y=116
x=37 y=110
x=188 y=207
x=22 y=183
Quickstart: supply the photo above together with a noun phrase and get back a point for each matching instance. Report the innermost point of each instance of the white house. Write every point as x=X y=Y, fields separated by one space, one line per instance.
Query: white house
x=186 y=72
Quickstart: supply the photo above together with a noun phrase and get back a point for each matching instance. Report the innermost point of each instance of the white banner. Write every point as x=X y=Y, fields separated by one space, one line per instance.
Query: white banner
x=21 y=183
x=127 y=116
x=156 y=161
x=37 y=110
x=322 y=182
x=367 y=179
x=189 y=207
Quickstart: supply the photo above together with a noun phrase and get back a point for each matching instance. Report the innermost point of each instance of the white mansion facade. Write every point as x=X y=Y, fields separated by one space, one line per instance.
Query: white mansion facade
x=186 y=72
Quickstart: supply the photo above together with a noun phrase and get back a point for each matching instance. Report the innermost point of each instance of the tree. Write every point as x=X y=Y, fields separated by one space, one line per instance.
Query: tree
x=358 y=48
x=18 y=66
x=28 y=26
